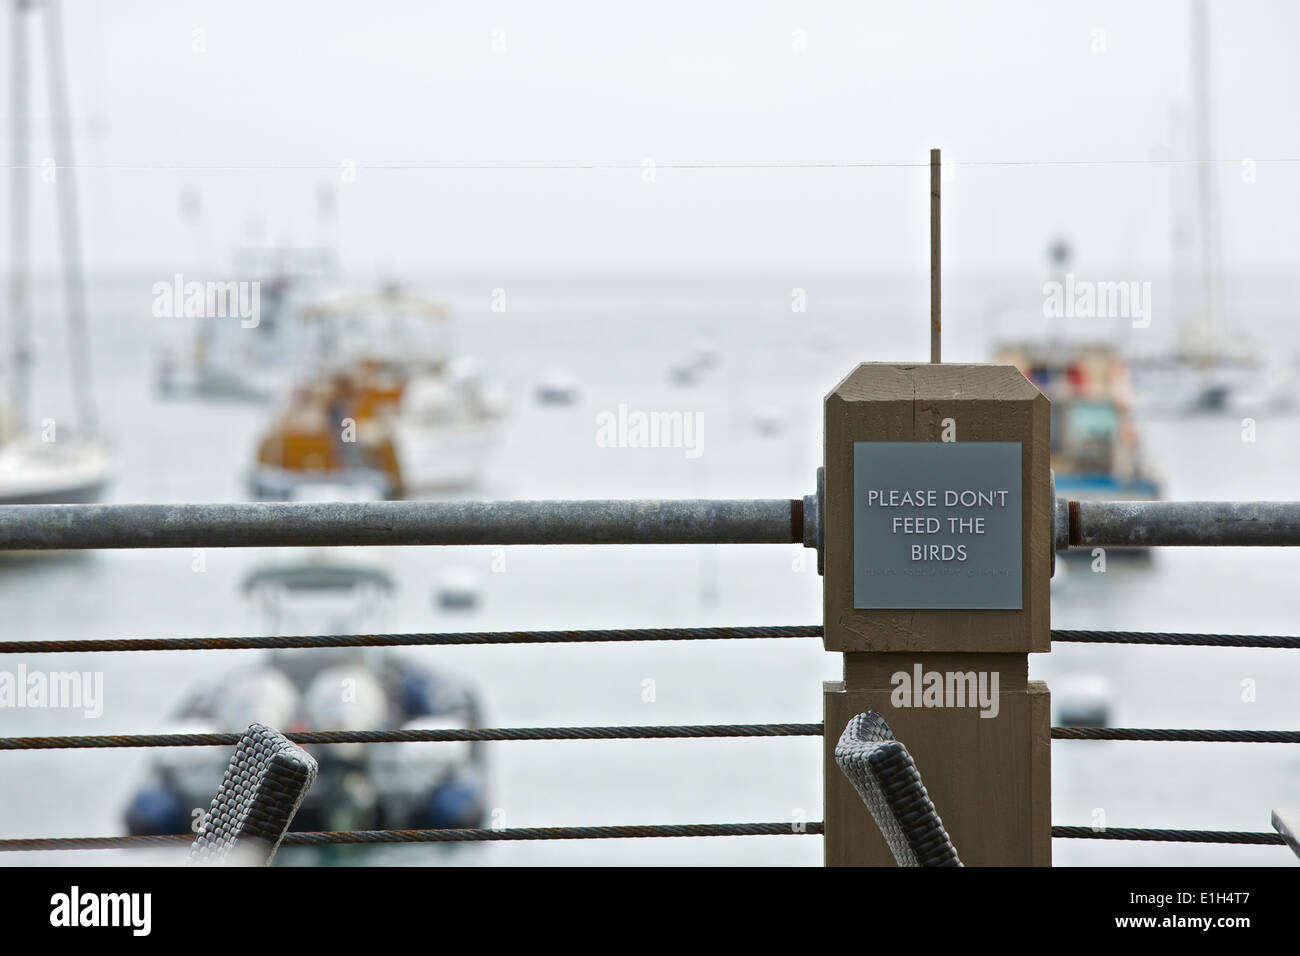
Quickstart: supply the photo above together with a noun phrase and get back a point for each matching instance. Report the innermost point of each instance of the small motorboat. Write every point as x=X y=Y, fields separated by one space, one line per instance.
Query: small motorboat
x=359 y=786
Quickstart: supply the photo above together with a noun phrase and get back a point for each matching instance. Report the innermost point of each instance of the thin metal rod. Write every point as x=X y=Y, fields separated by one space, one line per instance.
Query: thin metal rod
x=1184 y=523
x=935 y=323
x=313 y=524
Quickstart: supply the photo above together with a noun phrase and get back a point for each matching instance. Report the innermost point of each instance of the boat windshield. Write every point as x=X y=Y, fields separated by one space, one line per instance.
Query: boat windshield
x=1085 y=434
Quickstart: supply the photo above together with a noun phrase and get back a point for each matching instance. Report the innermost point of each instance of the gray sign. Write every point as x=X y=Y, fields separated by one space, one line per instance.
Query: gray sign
x=936 y=525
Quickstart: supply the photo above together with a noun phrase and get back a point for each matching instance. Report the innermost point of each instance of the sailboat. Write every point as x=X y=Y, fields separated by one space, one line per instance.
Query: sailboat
x=1206 y=371
x=52 y=463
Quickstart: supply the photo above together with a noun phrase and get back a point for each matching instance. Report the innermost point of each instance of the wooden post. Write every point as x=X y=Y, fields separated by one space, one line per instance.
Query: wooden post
x=937 y=560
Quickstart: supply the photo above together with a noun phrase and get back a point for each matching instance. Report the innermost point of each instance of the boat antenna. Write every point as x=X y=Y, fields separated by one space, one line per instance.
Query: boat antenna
x=935 y=323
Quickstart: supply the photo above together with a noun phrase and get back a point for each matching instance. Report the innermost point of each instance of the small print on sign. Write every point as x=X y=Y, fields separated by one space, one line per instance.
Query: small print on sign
x=936 y=525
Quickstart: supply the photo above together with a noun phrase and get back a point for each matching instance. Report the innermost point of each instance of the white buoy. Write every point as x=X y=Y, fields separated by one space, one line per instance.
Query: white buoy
x=770 y=420
x=556 y=387
x=457 y=589
x=685 y=374
x=705 y=354
x=1082 y=700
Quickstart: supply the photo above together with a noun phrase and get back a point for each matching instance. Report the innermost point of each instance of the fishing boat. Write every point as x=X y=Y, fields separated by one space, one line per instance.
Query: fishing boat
x=1096 y=451
x=359 y=786
x=233 y=357
x=59 y=462
x=392 y=408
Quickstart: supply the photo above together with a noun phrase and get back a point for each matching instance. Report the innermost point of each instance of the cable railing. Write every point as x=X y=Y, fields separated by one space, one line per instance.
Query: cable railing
x=651 y=732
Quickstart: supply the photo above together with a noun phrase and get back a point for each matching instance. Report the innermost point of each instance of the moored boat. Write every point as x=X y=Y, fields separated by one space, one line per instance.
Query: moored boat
x=1096 y=447
x=392 y=407
x=359 y=786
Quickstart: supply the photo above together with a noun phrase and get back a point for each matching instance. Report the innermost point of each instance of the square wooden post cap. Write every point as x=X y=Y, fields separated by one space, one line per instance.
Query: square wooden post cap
x=937 y=510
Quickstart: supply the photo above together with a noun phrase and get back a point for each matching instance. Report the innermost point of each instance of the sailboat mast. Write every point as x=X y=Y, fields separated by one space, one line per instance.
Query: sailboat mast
x=74 y=285
x=1206 y=184
x=19 y=220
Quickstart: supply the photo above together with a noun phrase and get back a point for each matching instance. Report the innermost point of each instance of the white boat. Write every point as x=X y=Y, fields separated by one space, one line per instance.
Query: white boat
x=1213 y=366
x=1196 y=384
x=224 y=358
x=423 y=418
x=66 y=471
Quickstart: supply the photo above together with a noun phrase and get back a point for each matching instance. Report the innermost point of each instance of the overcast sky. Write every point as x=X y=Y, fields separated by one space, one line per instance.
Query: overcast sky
x=316 y=84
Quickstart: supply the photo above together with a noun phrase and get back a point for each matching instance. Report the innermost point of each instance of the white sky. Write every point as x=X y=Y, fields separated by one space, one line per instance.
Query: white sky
x=287 y=83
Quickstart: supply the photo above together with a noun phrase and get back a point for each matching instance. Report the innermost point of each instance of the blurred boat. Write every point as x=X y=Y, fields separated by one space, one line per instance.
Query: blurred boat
x=222 y=359
x=391 y=408
x=359 y=786
x=68 y=471
x=1212 y=366
x=59 y=464
x=1213 y=380
x=1096 y=452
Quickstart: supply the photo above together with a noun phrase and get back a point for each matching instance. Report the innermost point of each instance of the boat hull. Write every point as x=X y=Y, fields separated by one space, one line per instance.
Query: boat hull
x=39 y=473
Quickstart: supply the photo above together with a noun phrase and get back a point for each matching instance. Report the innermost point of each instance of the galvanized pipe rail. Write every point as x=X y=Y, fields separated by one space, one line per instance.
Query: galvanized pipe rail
x=1120 y=524
x=312 y=524
x=1076 y=524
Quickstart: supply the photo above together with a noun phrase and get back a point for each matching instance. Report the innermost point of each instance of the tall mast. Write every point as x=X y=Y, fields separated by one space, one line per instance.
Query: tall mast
x=1206 y=184
x=19 y=221
x=74 y=284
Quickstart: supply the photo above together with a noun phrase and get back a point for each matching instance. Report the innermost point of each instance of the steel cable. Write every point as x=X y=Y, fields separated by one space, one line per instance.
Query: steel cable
x=614 y=635
x=468 y=835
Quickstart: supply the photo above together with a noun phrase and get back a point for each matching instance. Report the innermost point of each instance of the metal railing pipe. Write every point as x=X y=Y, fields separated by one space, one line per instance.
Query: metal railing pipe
x=1183 y=523
x=316 y=524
